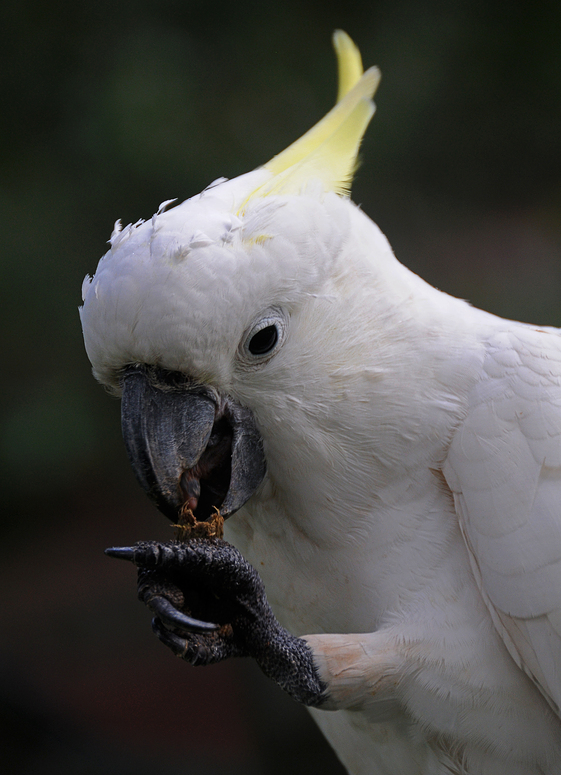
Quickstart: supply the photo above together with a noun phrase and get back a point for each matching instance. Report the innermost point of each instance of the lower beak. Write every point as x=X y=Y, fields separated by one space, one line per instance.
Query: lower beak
x=189 y=446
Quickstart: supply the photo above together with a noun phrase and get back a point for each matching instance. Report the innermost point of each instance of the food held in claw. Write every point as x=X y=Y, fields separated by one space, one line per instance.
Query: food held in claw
x=188 y=526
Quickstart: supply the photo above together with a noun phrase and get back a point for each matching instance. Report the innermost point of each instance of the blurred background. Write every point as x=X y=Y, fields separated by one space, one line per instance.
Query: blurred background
x=107 y=110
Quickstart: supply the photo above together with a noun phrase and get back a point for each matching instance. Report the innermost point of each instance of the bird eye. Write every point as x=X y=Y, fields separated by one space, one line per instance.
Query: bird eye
x=263 y=341
x=263 y=338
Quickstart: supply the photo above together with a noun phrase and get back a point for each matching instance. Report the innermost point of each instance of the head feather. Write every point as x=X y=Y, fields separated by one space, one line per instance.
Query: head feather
x=349 y=63
x=328 y=152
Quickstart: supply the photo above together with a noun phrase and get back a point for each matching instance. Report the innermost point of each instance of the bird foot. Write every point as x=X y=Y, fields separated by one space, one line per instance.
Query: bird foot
x=209 y=604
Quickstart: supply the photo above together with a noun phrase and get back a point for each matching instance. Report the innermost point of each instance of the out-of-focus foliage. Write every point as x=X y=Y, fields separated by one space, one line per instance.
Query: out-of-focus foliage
x=109 y=109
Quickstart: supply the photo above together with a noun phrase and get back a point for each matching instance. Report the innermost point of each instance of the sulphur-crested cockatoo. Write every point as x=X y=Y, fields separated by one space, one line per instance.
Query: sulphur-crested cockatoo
x=393 y=456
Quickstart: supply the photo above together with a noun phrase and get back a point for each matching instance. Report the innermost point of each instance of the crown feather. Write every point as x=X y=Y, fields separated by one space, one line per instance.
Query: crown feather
x=328 y=151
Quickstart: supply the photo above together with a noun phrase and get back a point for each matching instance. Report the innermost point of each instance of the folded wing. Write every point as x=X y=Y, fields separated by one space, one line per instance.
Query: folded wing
x=504 y=468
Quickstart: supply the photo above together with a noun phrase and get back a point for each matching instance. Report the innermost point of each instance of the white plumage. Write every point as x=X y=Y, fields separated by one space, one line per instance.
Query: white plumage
x=410 y=521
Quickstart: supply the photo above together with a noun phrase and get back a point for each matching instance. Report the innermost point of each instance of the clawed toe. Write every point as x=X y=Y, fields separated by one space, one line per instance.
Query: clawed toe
x=121 y=552
x=195 y=649
x=175 y=642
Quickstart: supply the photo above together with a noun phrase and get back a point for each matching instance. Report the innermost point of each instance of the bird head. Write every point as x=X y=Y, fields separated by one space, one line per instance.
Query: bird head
x=216 y=314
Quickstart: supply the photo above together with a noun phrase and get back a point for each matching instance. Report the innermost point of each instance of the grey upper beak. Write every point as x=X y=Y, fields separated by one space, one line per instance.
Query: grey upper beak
x=171 y=427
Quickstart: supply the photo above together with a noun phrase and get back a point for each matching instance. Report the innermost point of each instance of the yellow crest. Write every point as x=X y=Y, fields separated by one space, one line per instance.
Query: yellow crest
x=328 y=152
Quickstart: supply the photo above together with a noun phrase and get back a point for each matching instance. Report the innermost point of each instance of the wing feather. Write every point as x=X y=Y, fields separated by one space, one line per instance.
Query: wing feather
x=504 y=468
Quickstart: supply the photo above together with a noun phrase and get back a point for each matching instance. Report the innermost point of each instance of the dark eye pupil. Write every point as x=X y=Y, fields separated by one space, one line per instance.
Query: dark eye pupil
x=263 y=341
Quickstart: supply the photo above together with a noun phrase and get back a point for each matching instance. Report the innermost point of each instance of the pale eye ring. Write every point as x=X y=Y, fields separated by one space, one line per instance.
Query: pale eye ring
x=264 y=337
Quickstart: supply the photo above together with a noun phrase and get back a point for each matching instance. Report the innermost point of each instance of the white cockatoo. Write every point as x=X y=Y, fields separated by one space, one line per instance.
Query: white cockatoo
x=392 y=454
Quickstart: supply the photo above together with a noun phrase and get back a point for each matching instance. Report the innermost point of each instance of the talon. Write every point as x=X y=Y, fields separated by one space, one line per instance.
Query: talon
x=121 y=552
x=195 y=655
x=169 y=615
x=177 y=644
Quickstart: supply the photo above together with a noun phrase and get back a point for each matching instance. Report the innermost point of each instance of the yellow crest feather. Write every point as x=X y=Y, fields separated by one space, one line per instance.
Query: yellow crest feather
x=328 y=152
x=349 y=62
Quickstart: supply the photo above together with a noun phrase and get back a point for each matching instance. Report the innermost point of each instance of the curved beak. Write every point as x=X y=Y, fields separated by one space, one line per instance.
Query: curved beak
x=187 y=445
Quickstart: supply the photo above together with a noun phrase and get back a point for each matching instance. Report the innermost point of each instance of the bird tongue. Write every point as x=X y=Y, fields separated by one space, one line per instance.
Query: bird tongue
x=191 y=489
x=206 y=483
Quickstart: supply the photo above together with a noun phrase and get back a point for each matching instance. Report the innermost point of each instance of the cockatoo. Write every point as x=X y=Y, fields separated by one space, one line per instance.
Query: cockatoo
x=391 y=457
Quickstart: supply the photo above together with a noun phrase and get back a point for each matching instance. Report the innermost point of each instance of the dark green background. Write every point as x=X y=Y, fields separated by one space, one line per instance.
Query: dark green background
x=109 y=109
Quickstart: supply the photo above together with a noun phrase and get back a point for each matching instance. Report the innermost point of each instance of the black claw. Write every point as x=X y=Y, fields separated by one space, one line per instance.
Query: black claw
x=121 y=552
x=174 y=642
x=170 y=616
